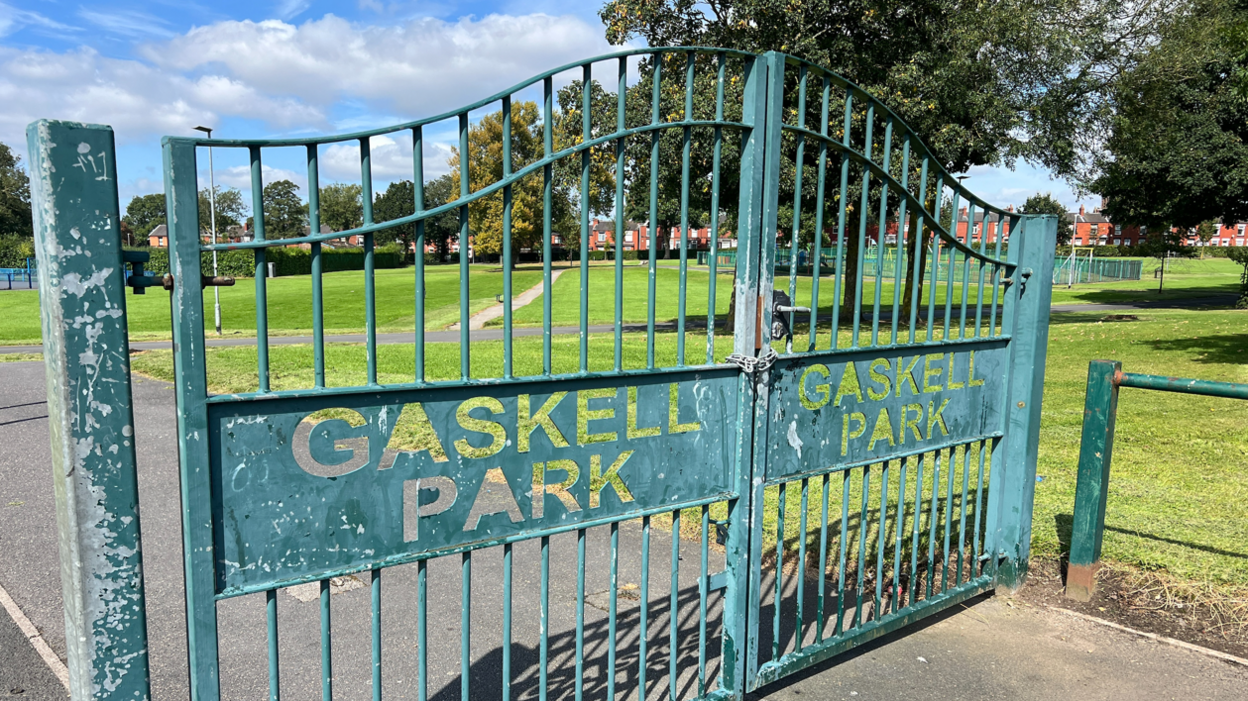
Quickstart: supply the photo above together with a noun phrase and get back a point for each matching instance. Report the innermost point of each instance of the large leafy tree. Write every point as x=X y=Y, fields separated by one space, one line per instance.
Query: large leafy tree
x=144 y=213
x=230 y=207
x=1176 y=155
x=399 y=201
x=285 y=214
x=341 y=207
x=15 y=216
x=1048 y=204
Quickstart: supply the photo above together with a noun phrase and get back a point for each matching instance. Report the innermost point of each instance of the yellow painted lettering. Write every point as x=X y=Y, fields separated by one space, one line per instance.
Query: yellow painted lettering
x=673 y=413
x=934 y=418
x=912 y=424
x=425 y=438
x=879 y=378
x=823 y=390
x=970 y=374
x=560 y=489
x=952 y=384
x=929 y=372
x=633 y=431
x=849 y=385
x=598 y=480
x=847 y=433
x=883 y=429
x=584 y=415
x=526 y=423
x=907 y=375
x=468 y=422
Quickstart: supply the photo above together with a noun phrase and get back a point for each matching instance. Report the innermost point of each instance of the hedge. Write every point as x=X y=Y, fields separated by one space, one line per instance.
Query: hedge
x=15 y=249
x=241 y=263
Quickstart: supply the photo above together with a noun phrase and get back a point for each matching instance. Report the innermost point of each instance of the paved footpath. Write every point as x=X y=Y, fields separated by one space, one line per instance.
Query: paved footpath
x=991 y=649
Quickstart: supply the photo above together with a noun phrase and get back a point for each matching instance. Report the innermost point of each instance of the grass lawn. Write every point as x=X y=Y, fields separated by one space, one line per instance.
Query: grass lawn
x=1185 y=278
x=1179 y=490
x=290 y=303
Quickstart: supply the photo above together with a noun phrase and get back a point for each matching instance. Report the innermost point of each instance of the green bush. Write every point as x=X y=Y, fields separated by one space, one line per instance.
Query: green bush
x=241 y=263
x=15 y=249
x=1221 y=251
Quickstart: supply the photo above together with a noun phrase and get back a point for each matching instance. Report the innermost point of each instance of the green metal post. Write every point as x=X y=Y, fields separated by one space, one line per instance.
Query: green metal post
x=1096 y=449
x=90 y=419
x=1035 y=242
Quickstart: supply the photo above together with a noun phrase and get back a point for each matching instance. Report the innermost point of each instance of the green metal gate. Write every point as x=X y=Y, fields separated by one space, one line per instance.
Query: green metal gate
x=910 y=409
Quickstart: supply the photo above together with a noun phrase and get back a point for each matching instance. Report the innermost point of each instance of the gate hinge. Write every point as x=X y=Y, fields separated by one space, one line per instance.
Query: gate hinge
x=754 y=365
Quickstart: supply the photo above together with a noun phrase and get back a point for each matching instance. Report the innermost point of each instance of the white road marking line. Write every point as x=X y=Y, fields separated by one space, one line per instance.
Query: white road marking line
x=32 y=634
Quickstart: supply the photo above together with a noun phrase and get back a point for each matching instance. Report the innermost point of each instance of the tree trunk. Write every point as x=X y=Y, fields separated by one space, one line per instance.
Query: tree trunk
x=912 y=249
x=850 y=277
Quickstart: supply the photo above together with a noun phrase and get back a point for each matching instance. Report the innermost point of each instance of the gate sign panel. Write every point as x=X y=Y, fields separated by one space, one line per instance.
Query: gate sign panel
x=300 y=497
x=852 y=409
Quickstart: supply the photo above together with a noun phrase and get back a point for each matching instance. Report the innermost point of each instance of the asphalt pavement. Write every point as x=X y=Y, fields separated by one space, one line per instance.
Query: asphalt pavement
x=988 y=649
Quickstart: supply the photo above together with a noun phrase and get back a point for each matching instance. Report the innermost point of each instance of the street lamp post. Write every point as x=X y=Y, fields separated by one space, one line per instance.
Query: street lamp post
x=212 y=207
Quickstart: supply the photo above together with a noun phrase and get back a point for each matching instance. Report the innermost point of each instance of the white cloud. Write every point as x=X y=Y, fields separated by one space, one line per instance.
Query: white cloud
x=289 y=9
x=12 y=19
x=391 y=158
x=421 y=67
x=132 y=24
x=240 y=177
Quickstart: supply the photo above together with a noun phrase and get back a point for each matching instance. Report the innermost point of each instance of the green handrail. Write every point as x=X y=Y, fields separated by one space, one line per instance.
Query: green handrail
x=1096 y=451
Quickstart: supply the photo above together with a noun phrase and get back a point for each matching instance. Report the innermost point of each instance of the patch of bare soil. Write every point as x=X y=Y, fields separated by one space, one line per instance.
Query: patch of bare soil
x=1130 y=599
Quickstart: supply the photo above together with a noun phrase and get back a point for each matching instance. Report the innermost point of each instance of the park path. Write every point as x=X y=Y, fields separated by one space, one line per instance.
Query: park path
x=480 y=319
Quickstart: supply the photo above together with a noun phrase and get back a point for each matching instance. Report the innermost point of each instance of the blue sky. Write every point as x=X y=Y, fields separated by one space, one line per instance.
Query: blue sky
x=272 y=68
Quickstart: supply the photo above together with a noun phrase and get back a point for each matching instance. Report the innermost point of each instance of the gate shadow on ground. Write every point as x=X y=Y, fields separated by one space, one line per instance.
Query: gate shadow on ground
x=486 y=677
x=867 y=648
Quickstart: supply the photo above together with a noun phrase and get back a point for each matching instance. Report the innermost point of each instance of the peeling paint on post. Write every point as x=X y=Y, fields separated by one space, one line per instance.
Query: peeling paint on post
x=82 y=297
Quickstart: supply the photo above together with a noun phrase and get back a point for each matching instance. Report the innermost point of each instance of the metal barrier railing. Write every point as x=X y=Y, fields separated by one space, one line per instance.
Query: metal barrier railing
x=1096 y=450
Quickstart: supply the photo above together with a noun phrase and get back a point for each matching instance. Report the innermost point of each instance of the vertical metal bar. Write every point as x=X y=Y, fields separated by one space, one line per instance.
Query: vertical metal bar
x=376 y=626
x=899 y=265
x=917 y=263
x=327 y=652
x=844 y=536
x=862 y=544
x=653 y=224
x=823 y=559
x=613 y=608
x=543 y=646
x=879 y=555
x=899 y=527
x=686 y=145
x=422 y=630
x=868 y=142
x=797 y=195
x=673 y=609
x=721 y=62
x=914 y=539
x=933 y=518
x=418 y=265
x=979 y=514
x=882 y=228
x=507 y=622
x=73 y=187
x=465 y=369
x=465 y=623
x=966 y=476
x=838 y=290
x=579 y=681
x=779 y=588
x=817 y=256
x=979 y=302
x=507 y=261
x=548 y=147
x=934 y=279
x=953 y=260
x=966 y=264
x=262 y=298
x=586 y=136
x=318 y=304
x=621 y=95
x=801 y=564
x=270 y=609
x=644 y=634
x=1096 y=451
x=951 y=470
x=370 y=282
x=703 y=577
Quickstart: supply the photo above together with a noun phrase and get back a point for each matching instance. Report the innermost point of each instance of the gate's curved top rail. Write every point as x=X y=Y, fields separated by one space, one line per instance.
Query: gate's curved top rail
x=917 y=204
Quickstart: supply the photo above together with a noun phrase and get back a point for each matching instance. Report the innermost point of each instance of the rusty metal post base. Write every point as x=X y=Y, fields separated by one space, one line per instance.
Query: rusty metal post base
x=1081 y=581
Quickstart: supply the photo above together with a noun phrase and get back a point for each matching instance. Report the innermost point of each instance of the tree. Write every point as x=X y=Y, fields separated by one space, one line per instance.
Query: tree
x=341 y=207
x=1164 y=244
x=399 y=200
x=15 y=215
x=1205 y=231
x=1047 y=204
x=1240 y=255
x=1177 y=154
x=230 y=208
x=144 y=213
x=285 y=215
